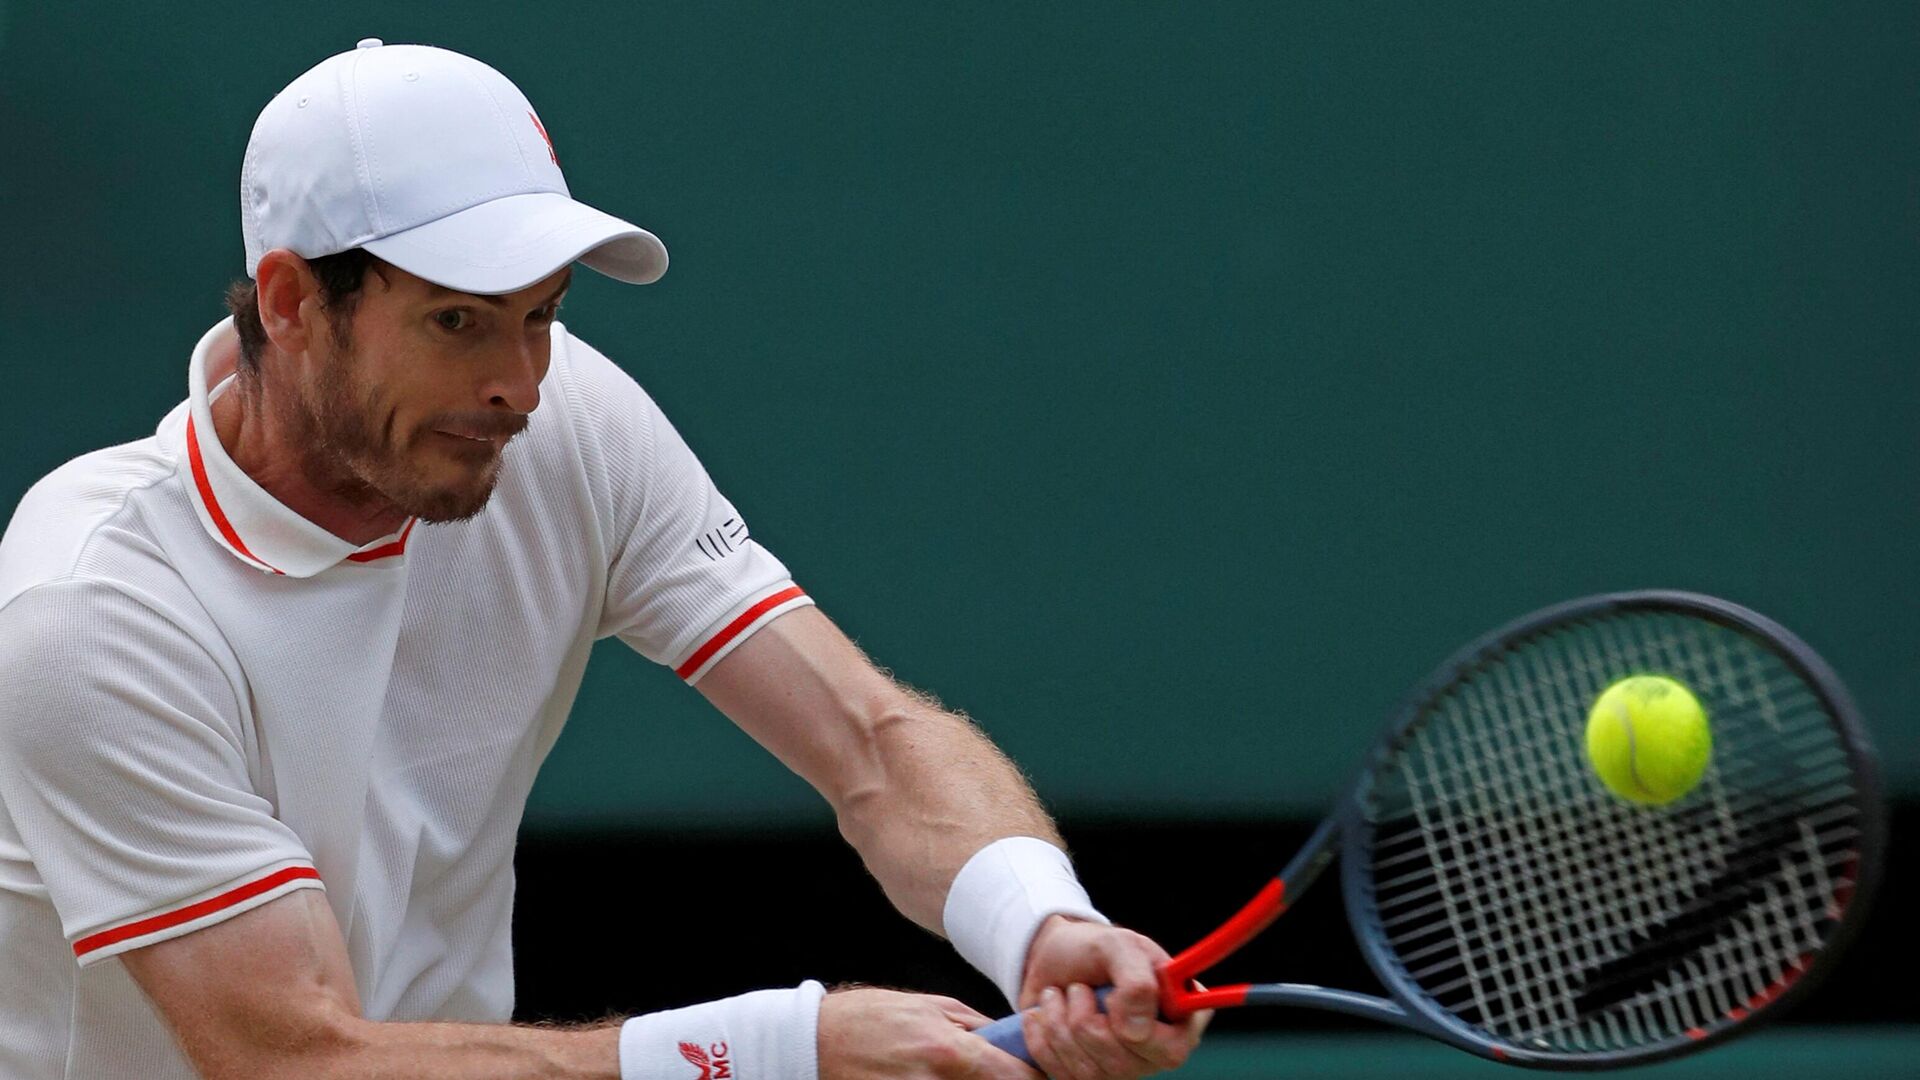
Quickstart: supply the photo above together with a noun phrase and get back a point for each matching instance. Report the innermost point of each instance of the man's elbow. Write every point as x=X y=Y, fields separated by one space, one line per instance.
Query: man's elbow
x=321 y=1045
x=909 y=758
x=868 y=783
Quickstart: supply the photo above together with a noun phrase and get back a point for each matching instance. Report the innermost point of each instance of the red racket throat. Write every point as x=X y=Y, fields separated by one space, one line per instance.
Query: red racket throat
x=1178 y=997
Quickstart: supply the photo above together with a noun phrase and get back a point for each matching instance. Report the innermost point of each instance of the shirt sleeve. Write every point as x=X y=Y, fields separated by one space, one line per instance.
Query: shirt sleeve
x=687 y=582
x=123 y=769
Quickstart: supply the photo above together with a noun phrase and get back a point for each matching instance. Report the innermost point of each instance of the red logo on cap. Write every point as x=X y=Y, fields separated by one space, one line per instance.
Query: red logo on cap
x=543 y=134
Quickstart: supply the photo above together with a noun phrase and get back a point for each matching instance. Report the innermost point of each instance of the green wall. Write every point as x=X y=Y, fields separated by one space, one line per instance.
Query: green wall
x=1169 y=385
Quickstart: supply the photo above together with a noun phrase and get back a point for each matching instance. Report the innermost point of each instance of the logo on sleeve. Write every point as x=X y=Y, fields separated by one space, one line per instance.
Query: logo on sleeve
x=719 y=543
x=712 y=1061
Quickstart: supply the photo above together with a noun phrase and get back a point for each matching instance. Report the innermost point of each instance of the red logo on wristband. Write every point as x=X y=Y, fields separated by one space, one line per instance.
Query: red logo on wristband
x=712 y=1061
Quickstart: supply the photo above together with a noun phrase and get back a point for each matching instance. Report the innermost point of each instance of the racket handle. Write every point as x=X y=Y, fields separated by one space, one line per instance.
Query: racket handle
x=1006 y=1033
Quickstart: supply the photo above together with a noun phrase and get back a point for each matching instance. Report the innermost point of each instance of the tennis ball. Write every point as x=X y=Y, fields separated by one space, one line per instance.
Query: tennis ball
x=1648 y=739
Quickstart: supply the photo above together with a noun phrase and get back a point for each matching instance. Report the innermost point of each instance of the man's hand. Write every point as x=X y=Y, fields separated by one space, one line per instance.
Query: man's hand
x=868 y=1034
x=1066 y=1032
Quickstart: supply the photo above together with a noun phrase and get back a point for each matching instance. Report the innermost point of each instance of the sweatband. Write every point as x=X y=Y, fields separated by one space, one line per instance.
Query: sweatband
x=1000 y=898
x=764 y=1035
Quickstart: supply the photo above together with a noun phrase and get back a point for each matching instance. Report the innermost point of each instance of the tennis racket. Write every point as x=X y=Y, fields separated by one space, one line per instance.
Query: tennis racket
x=1514 y=908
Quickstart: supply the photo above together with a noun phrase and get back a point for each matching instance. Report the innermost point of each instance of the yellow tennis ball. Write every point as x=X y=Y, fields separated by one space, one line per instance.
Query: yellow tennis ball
x=1648 y=739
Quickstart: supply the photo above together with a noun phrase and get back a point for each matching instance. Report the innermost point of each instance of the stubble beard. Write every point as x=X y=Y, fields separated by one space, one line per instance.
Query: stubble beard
x=348 y=453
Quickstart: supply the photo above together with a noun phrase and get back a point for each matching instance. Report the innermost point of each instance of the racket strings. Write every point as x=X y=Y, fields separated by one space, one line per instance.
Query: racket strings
x=1572 y=944
x=1587 y=1000
x=1526 y=900
x=1820 y=865
x=1415 y=881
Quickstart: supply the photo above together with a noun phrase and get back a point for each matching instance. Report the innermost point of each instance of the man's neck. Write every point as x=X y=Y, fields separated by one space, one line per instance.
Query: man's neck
x=264 y=448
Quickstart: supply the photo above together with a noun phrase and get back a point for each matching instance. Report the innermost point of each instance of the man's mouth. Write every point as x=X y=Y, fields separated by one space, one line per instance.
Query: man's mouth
x=471 y=437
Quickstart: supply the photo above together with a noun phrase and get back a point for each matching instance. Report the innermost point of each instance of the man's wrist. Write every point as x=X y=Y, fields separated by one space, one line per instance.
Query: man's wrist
x=1001 y=897
x=764 y=1035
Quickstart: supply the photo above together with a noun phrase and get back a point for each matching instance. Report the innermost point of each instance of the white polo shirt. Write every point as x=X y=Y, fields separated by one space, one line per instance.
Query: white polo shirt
x=207 y=701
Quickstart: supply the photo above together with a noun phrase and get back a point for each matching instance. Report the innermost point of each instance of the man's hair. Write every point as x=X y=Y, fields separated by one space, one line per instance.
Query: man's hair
x=340 y=277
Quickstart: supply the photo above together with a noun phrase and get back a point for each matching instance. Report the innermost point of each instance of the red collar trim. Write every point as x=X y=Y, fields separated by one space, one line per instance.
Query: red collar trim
x=387 y=550
x=218 y=515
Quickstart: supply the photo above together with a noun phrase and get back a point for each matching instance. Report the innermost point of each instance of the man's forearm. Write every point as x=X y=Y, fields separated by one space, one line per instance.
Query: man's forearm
x=918 y=789
x=937 y=792
x=368 y=1050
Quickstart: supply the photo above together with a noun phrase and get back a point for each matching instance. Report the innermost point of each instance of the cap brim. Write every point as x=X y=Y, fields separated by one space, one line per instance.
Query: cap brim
x=515 y=241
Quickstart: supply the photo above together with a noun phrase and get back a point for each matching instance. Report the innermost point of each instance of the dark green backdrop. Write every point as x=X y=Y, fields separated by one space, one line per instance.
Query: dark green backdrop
x=1169 y=385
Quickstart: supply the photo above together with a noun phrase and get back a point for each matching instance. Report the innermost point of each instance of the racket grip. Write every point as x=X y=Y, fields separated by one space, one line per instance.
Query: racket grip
x=1006 y=1033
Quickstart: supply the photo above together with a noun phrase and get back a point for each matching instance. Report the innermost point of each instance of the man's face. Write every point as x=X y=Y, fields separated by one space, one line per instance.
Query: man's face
x=420 y=391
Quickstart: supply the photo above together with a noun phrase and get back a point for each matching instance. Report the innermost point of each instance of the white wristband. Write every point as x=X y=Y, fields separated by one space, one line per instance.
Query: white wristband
x=765 y=1035
x=1000 y=898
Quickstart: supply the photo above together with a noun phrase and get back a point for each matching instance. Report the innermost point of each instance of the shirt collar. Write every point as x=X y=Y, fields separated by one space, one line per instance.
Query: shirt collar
x=239 y=514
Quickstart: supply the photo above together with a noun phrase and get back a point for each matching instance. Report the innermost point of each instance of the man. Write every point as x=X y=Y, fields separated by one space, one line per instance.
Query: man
x=275 y=687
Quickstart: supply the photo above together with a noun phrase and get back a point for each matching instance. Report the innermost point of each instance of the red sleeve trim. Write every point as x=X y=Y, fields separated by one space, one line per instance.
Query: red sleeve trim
x=227 y=899
x=746 y=618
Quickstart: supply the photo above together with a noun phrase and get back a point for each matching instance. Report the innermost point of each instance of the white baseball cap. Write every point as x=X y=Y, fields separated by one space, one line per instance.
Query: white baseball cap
x=432 y=161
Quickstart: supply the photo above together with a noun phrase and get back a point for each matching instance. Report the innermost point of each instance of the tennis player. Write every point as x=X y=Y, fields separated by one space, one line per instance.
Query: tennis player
x=278 y=678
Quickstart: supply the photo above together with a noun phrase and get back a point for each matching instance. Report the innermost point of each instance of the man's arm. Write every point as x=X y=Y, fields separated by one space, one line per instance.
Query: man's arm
x=916 y=789
x=919 y=791
x=270 y=994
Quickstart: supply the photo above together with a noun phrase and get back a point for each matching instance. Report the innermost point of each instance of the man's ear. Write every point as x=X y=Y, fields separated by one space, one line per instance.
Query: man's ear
x=289 y=295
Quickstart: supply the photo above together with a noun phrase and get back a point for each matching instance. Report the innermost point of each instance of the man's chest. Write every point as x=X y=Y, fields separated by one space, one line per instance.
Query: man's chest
x=421 y=699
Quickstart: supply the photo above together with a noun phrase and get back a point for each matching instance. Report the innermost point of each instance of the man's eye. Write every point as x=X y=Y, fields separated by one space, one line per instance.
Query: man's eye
x=454 y=319
x=546 y=314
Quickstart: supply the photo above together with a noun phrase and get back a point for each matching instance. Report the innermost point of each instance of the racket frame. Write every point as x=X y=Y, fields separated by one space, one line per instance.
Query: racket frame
x=1349 y=834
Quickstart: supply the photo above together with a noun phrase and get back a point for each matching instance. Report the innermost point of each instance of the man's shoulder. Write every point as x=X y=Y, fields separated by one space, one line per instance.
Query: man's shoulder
x=584 y=370
x=606 y=410
x=61 y=519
